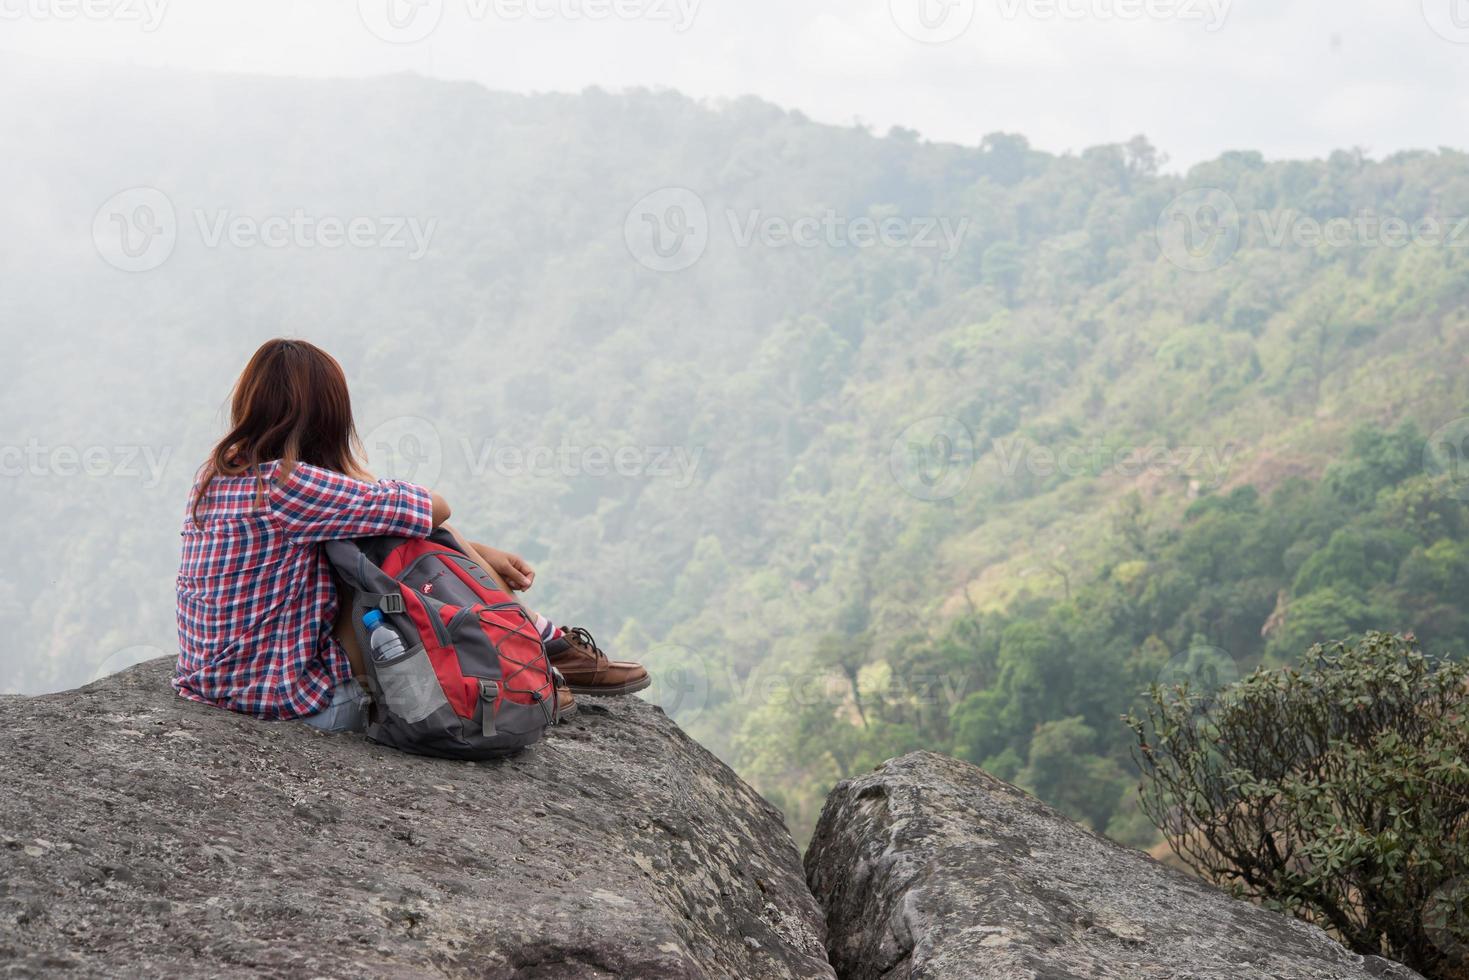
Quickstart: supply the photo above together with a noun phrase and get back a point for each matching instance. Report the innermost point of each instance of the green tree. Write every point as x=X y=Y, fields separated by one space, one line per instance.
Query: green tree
x=1065 y=769
x=1318 y=616
x=1004 y=265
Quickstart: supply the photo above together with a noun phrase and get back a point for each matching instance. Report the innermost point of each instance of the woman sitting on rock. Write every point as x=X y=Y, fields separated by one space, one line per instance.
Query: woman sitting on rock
x=261 y=628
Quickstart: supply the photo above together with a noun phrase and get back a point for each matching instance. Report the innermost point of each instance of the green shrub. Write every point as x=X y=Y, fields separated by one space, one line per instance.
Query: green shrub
x=1336 y=791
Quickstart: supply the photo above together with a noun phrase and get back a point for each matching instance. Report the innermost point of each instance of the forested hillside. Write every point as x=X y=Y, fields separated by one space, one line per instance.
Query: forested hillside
x=965 y=476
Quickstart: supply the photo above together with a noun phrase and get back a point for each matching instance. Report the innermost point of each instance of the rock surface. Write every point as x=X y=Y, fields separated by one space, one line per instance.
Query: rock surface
x=142 y=835
x=930 y=867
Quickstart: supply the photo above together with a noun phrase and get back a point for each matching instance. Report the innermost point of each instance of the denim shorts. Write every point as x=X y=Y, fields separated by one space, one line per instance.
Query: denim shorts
x=346 y=713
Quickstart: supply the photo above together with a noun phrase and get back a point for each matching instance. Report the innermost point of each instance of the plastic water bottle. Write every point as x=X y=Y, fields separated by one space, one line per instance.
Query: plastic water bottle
x=386 y=644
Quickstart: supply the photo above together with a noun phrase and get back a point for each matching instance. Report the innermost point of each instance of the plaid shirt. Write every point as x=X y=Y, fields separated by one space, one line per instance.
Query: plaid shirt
x=256 y=598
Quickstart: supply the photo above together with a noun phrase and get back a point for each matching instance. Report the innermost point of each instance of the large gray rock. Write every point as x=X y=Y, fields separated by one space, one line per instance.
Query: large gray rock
x=930 y=867
x=142 y=835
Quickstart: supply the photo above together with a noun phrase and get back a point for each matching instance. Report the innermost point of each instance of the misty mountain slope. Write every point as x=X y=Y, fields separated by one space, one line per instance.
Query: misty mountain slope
x=845 y=469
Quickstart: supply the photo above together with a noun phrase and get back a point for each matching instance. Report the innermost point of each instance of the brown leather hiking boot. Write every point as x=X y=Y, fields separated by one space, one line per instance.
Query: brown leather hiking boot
x=589 y=671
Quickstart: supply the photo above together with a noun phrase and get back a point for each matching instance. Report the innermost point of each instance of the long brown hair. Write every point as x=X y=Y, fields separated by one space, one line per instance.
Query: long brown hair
x=291 y=404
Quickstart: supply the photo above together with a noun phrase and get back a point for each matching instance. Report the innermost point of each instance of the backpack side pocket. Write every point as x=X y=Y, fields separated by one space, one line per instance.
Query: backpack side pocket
x=410 y=689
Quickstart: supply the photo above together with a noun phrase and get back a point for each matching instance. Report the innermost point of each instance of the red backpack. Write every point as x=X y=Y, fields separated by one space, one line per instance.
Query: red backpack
x=473 y=681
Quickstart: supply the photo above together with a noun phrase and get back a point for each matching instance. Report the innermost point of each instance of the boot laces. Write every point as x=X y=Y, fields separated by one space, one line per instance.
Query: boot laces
x=583 y=638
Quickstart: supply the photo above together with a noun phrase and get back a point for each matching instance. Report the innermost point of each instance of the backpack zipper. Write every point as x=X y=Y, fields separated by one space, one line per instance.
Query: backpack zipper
x=399 y=578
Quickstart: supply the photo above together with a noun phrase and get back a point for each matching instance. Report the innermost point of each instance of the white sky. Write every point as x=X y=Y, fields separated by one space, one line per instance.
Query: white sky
x=1292 y=78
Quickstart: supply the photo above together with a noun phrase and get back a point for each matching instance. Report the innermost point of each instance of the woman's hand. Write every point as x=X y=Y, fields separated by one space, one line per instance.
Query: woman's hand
x=513 y=570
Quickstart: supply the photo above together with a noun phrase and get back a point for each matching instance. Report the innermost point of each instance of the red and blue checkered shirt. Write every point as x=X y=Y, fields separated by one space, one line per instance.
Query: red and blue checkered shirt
x=256 y=598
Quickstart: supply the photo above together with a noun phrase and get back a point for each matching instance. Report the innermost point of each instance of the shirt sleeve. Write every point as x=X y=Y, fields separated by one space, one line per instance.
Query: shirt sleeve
x=315 y=504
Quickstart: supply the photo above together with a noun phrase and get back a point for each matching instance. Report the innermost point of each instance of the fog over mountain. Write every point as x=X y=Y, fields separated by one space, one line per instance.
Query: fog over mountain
x=867 y=443
x=1289 y=78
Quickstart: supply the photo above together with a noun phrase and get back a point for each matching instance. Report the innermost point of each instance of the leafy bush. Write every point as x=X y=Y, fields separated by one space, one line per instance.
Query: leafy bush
x=1336 y=790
